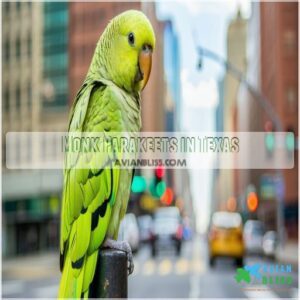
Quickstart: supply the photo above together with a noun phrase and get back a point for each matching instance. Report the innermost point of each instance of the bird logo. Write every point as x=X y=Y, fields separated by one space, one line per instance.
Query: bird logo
x=254 y=270
x=242 y=275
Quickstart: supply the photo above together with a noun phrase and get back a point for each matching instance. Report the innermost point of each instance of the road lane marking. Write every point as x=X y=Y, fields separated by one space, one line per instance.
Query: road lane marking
x=197 y=268
x=260 y=291
x=149 y=268
x=182 y=266
x=165 y=267
x=194 y=286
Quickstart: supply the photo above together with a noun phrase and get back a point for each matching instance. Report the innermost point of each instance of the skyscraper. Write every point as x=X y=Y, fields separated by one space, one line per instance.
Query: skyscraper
x=55 y=54
x=272 y=69
x=279 y=82
x=236 y=55
x=34 y=92
x=172 y=69
x=21 y=65
x=87 y=22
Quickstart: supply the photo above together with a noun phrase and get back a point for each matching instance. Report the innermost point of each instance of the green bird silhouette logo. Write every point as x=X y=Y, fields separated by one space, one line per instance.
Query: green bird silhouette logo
x=242 y=275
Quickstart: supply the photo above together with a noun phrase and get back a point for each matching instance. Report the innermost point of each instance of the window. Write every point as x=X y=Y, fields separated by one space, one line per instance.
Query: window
x=18 y=47
x=56 y=61
x=18 y=98
x=4 y=153
x=60 y=84
x=5 y=7
x=29 y=46
x=29 y=94
x=55 y=6
x=55 y=41
x=6 y=100
x=290 y=41
x=291 y=99
x=6 y=50
x=56 y=19
x=18 y=5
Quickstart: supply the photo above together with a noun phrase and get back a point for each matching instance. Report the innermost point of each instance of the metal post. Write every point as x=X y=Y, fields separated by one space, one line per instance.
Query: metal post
x=257 y=95
x=110 y=279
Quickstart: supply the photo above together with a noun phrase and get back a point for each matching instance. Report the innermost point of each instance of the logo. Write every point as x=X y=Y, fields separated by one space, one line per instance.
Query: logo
x=265 y=274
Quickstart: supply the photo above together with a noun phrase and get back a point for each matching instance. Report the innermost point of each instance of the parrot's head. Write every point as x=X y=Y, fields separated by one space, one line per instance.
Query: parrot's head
x=125 y=49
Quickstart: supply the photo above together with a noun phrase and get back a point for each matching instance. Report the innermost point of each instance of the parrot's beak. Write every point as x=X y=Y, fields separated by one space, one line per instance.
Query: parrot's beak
x=145 y=63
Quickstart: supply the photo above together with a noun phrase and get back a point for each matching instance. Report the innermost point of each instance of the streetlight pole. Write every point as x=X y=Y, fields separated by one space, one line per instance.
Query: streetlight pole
x=267 y=108
x=261 y=99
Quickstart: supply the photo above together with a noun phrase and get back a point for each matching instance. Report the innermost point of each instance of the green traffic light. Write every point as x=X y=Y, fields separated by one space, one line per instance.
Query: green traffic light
x=138 y=184
x=270 y=141
x=152 y=188
x=290 y=141
x=160 y=188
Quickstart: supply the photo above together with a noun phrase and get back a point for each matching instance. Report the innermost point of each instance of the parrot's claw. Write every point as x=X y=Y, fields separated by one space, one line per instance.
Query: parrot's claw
x=122 y=246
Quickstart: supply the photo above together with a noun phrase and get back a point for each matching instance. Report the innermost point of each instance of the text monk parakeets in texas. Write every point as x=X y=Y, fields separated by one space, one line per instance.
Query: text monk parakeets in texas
x=95 y=199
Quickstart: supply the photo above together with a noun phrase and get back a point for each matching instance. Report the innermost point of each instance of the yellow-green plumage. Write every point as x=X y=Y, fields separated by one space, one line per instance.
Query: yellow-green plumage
x=95 y=199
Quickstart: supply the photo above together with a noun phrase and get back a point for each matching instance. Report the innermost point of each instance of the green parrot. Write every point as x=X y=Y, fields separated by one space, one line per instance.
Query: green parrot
x=95 y=200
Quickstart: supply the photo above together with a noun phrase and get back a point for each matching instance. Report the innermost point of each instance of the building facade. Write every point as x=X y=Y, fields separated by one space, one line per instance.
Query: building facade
x=55 y=105
x=279 y=82
x=21 y=96
x=272 y=69
x=55 y=50
x=22 y=51
x=87 y=22
x=237 y=56
x=154 y=94
x=30 y=197
x=172 y=70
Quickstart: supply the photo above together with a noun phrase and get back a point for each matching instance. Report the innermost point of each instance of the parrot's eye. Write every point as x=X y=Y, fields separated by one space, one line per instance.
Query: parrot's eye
x=131 y=38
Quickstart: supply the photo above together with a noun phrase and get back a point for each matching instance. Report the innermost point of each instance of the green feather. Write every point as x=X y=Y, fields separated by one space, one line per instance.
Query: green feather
x=95 y=198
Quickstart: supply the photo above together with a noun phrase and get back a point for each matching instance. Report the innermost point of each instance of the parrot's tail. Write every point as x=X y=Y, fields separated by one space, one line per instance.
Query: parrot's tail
x=74 y=282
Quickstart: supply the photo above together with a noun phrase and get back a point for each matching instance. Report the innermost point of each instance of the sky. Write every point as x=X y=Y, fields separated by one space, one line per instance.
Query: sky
x=201 y=23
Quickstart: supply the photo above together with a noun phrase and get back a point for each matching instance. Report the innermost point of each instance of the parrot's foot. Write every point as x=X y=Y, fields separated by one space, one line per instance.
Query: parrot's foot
x=122 y=246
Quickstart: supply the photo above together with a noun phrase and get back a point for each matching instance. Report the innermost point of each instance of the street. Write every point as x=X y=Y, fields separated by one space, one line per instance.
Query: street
x=187 y=276
x=159 y=123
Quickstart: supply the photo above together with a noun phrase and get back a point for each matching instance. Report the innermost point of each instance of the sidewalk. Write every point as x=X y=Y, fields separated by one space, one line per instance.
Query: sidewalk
x=41 y=265
x=288 y=254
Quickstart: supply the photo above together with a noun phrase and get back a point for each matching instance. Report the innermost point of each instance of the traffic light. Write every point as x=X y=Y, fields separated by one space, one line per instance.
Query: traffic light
x=158 y=185
x=290 y=141
x=167 y=197
x=138 y=184
x=269 y=137
x=160 y=188
x=252 y=201
x=160 y=172
x=231 y=204
x=270 y=141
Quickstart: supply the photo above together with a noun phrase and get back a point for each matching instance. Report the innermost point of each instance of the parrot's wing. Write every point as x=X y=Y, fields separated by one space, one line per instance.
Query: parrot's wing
x=89 y=194
x=79 y=107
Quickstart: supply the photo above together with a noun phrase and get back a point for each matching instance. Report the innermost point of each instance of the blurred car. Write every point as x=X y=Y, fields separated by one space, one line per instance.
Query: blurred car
x=167 y=230
x=253 y=236
x=145 y=228
x=269 y=244
x=129 y=231
x=226 y=237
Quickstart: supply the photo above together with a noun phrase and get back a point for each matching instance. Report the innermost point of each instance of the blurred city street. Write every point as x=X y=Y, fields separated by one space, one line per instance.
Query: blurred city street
x=167 y=276
x=220 y=222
